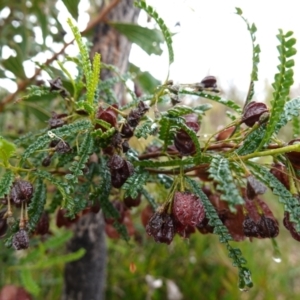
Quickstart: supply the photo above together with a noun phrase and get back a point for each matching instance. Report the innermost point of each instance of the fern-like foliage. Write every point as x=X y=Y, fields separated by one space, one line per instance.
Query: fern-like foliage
x=146 y=128
x=165 y=180
x=68 y=130
x=169 y=163
x=134 y=184
x=193 y=136
x=229 y=103
x=165 y=31
x=165 y=132
x=290 y=112
x=282 y=84
x=85 y=150
x=220 y=171
x=255 y=56
x=56 y=202
x=104 y=138
x=235 y=254
x=94 y=78
x=6 y=182
x=291 y=203
x=91 y=72
x=181 y=110
x=29 y=138
x=36 y=206
x=84 y=52
x=64 y=188
x=252 y=141
x=35 y=92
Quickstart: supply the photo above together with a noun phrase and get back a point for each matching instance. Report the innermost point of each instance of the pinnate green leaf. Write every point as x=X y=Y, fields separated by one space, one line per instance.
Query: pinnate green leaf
x=220 y=172
x=291 y=203
x=86 y=148
x=6 y=182
x=135 y=183
x=37 y=203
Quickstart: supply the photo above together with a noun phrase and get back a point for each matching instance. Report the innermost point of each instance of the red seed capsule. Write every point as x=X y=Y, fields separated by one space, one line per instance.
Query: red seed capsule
x=188 y=208
x=253 y=112
x=209 y=82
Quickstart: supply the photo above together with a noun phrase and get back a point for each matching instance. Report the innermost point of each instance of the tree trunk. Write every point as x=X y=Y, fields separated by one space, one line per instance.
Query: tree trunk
x=85 y=278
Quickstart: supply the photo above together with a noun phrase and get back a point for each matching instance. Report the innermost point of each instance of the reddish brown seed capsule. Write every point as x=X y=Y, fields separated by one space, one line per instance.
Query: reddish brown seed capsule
x=161 y=227
x=188 y=208
x=42 y=226
x=109 y=115
x=132 y=202
x=254 y=187
x=20 y=240
x=268 y=227
x=21 y=191
x=279 y=170
x=126 y=131
x=182 y=141
x=209 y=82
x=56 y=120
x=253 y=112
x=63 y=220
x=120 y=170
x=250 y=227
x=291 y=226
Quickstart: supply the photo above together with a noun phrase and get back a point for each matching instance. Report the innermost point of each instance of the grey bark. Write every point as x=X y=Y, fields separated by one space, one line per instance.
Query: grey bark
x=85 y=279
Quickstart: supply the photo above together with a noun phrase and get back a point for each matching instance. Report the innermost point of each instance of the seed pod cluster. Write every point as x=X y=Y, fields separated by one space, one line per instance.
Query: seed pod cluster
x=260 y=225
x=186 y=212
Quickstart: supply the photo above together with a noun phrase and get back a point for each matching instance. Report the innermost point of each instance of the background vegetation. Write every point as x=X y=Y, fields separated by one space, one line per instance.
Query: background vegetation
x=198 y=266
